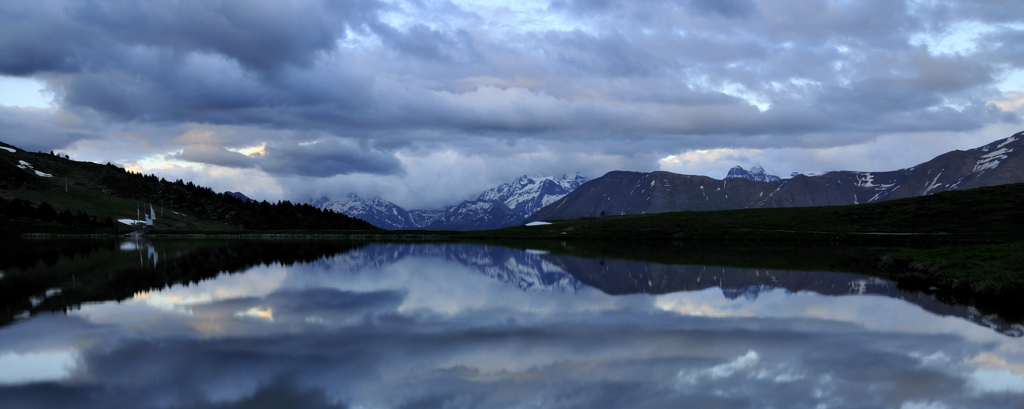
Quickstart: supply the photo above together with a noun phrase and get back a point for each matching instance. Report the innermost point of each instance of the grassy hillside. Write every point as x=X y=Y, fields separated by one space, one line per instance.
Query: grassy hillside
x=111 y=192
x=989 y=214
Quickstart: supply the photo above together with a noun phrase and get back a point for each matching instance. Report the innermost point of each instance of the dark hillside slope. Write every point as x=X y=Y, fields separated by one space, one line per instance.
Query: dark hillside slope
x=108 y=191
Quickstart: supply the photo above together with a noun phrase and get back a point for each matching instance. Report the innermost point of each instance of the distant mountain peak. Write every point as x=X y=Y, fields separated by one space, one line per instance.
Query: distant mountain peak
x=377 y=211
x=238 y=195
x=508 y=204
x=528 y=194
x=756 y=173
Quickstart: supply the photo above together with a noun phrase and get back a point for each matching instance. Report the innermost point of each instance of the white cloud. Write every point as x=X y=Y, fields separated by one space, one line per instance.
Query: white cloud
x=22 y=368
x=959 y=38
x=1000 y=381
x=24 y=93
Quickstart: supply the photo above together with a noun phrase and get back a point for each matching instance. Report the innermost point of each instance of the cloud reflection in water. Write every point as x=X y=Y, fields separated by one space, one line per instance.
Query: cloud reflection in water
x=423 y=327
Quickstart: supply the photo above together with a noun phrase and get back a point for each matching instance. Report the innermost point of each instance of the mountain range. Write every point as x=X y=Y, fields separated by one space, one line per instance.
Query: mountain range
x=528 y=270
x=622 y=192
x=506 y=205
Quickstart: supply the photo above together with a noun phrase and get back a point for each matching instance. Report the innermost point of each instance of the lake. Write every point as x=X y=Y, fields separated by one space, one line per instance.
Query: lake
x=341 y=324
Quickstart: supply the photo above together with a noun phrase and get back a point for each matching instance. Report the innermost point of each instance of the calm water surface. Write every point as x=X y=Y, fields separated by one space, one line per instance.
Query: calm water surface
x=172 y=324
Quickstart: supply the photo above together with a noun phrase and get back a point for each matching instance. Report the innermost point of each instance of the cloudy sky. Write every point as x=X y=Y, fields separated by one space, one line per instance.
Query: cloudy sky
x=428 y=102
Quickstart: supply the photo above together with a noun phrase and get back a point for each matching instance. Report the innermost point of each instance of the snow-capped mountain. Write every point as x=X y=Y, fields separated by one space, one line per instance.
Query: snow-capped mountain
x=527 y=195
x=756 y=174
x=506 y=205
x=377 y=211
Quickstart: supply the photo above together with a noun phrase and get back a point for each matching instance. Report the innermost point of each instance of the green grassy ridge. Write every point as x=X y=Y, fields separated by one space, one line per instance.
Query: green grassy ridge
x=985 y=267
x=989 y=277
x=988 y=214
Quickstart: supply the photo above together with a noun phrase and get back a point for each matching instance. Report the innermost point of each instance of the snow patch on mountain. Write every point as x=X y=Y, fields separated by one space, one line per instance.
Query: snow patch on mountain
x=992 y=159
x=867 y=180
x=1007 y=141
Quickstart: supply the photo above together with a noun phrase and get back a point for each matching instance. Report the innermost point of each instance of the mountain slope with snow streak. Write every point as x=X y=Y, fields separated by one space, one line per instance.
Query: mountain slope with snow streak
x=621 y=192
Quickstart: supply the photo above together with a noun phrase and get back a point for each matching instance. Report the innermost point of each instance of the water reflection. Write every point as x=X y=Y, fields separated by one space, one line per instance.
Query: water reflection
x=457 y=325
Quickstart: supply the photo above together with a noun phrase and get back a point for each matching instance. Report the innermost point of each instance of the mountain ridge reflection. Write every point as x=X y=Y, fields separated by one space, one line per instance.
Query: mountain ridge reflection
x=558 y=267
x=468 y=326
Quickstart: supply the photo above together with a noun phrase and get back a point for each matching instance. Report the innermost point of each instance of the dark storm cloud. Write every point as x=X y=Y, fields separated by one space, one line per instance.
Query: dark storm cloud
x=215 y=155
x=327 y=158
x=279 y=394
x=421 y=41
x=611 y=54
x=321 y=158
x=1004 y=45
x=79 y=35
x=723 y=8
x=43 y=130
x=942 y=13
x=638 y=78
x=193 y=61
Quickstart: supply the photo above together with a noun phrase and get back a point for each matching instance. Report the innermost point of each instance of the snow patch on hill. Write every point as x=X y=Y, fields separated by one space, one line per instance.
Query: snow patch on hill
x=25 y=165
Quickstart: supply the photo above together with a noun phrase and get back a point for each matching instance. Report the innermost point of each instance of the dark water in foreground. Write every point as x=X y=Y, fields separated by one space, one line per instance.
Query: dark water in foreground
x=317 y=324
